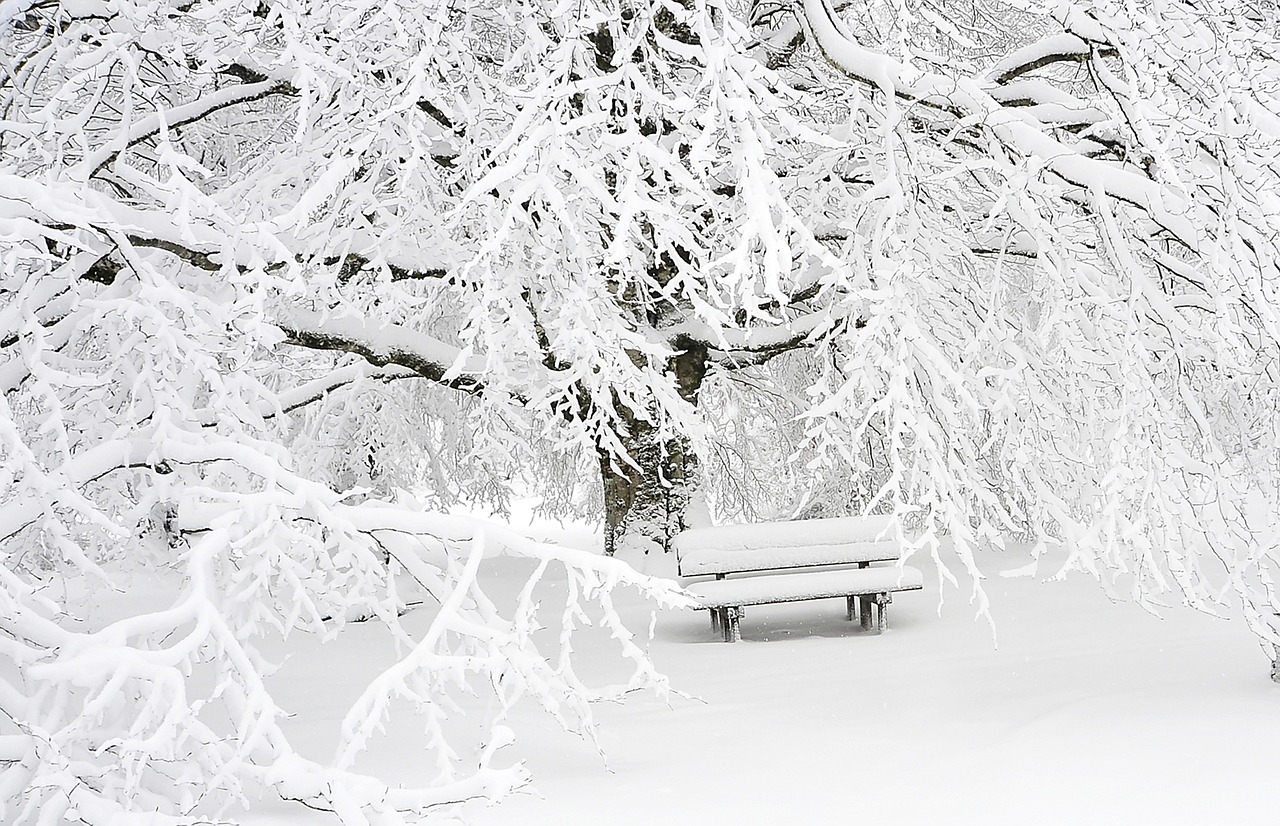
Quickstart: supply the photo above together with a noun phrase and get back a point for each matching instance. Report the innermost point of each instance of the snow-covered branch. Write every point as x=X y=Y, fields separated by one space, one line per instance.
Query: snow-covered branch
x=383 y=345
x=182 y=115
x=1027 y=294
x=1063 y=47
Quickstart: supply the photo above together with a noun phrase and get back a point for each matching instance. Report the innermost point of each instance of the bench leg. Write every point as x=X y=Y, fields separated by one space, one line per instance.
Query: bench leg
x=864 y=610
x=730 y=623
x=715 y=620
x=882 y=604
x=850 y=608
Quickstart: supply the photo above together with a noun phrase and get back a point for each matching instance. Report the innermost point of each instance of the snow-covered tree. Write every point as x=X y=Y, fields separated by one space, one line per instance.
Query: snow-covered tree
x=1070 y=326
x=997 y=266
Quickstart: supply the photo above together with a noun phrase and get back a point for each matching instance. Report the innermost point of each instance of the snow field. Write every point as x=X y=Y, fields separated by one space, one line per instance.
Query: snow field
x=1088 y=712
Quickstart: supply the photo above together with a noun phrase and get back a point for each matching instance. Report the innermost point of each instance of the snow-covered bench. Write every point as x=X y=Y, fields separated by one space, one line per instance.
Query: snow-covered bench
x=776 y=550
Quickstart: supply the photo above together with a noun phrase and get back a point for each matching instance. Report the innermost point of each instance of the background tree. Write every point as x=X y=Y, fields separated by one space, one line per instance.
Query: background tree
x=998 y=268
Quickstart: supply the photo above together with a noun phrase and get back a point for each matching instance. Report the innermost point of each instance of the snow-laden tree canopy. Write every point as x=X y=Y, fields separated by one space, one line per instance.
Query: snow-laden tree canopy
x=994 y=267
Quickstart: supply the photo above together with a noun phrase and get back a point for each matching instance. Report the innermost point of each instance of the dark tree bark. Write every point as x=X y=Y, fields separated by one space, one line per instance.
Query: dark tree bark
x=646 y=501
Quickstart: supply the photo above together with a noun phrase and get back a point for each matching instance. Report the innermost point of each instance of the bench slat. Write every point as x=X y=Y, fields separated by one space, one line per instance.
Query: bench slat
x=715 y=561
x=807 y=585
x=793 y=534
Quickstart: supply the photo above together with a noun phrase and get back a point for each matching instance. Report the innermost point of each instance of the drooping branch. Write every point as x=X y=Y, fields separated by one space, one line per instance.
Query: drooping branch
x=87 y=465
x=184 y=114
x=313 y=391
x=1013 y=128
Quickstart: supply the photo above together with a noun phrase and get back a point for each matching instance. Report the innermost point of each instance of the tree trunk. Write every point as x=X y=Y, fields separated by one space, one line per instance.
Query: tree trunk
x=645 y=503
x=645 y=500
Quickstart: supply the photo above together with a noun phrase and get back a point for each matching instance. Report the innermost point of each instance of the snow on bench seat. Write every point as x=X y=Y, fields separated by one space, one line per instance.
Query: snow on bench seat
x=799 y=544
x=783 y=547
x=761 y=590
x=867 y=593
x=786 y=534
x=704 y=563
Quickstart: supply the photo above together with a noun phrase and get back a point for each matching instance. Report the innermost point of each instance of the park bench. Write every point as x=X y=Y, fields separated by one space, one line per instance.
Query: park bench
x=794 y=561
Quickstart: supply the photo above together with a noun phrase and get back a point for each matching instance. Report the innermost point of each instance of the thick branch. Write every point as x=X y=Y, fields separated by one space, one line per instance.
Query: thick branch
x=734 y=348
x=194 y=257
x=737 y=359
x=389 y=344
x=354 y=262
x=1058 y=48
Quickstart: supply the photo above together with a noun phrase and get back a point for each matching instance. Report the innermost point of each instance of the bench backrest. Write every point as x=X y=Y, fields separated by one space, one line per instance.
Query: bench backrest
x=775 y=545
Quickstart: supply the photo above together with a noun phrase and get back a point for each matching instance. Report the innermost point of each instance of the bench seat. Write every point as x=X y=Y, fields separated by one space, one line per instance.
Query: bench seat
x=761 y=590
x=867 y=592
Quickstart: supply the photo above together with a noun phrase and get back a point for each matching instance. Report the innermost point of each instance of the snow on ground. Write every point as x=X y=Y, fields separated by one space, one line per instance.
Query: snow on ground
x=1088 y=712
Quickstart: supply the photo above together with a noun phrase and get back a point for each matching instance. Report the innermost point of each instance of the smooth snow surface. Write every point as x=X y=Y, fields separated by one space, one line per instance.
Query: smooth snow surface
x=1089 y=712
x=755 y=590
x=704 y=562
x=784 y=534
x=796 y=544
